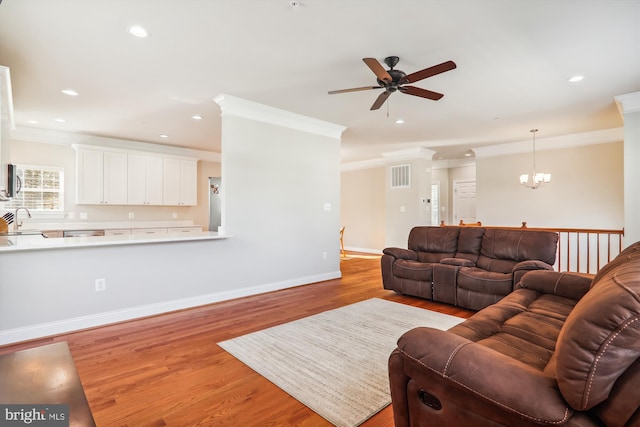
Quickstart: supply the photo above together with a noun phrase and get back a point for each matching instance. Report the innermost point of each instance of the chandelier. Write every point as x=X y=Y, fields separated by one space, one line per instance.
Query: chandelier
x=534 y=179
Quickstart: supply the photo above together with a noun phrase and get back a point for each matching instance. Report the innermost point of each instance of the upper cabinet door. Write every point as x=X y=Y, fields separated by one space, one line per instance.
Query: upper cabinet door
x=89 y=177
x=189 y=182
x=180 y=182
x=144 y=180
x=153 y=180
x=171 y=182
x=136 y=185
x=115 y=178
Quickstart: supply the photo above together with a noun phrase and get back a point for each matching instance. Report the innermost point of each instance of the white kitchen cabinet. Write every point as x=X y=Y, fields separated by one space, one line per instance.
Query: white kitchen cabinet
x=149 y=231
x=117 y=232
x=115 y=178
x=144 y=180
x=101 y=177
x=180 y=182
x=184 y=231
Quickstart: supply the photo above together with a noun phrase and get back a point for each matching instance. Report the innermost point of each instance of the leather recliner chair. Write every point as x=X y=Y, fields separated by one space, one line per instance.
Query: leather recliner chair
x=560 y=350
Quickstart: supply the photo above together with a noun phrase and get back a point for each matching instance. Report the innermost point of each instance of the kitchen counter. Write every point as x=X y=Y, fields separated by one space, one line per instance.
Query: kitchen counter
x=102 y=225
x=33 y=242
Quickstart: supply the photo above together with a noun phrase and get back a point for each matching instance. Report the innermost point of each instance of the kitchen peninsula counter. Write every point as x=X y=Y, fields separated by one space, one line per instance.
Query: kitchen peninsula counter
x=33 y=242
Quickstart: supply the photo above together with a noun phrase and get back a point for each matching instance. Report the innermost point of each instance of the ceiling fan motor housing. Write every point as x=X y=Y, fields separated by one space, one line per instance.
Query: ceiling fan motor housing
x=397 y=76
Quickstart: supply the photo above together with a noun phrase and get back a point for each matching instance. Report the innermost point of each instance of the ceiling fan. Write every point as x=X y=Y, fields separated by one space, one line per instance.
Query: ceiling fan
x=392 y=80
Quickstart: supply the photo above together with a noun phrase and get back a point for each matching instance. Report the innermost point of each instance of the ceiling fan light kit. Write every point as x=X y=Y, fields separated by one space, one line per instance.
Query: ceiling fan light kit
x=393 y=80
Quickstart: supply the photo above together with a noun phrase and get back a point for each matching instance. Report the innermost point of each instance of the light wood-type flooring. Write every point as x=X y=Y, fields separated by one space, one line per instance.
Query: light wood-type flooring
x=167 y=370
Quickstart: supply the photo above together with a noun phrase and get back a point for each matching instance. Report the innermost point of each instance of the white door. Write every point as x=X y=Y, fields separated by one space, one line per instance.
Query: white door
x=464 y=202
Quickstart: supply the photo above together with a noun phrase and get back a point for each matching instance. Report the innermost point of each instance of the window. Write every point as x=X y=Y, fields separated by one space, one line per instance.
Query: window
x=435 y=203
x=41 y=188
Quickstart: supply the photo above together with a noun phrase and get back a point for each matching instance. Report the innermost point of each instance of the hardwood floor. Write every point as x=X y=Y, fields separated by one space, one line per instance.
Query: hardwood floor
x=168 y=370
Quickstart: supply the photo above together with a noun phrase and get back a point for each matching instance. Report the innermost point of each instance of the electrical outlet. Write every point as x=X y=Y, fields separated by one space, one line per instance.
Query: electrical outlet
x=324 y=256
x=101 y=285
x=132 y=215
x=84 y=215
x=174 y=215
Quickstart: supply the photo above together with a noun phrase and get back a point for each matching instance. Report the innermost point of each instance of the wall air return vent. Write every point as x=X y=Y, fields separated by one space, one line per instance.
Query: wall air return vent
x=401 y=176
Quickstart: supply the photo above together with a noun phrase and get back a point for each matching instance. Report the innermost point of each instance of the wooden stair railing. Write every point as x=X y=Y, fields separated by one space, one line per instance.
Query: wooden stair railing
x=581 y=250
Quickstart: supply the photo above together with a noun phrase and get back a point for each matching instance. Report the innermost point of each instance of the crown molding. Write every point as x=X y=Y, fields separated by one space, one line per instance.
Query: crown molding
x=628 y=103
x=48 y=136
x=603 y=136
x=390 y=157
x=453 y=163
x=518 y=147
x=234 y=106
x=409 y=154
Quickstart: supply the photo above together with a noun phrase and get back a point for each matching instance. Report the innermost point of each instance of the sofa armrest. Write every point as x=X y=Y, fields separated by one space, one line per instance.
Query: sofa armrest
x=478 y=376
x=566 y=284
x=460 y=262
x=531 y=265
x=401 y=253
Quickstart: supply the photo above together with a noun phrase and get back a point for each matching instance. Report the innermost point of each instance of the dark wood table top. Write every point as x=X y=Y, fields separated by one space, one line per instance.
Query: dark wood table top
x=44 y=375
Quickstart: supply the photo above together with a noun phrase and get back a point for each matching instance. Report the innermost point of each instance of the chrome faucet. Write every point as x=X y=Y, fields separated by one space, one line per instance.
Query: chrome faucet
x=16 y=223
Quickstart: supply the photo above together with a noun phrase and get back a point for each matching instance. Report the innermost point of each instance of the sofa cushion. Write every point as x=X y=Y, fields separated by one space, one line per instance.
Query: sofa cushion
x=434 y=239
x=513 y=246
x=601 y=337
x=469 y=243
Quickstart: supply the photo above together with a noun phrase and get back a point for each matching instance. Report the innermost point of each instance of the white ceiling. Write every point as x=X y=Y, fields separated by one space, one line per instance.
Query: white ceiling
x=513 y=56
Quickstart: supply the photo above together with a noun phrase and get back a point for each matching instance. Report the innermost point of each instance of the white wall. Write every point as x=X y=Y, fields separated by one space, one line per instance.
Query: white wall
x=363 y=209
x=407 y=207
x=586 y=189
x=277 y=182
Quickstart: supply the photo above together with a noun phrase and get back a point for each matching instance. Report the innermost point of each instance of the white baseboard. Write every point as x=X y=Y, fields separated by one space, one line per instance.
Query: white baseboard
x=41 y=330
x=364 y=250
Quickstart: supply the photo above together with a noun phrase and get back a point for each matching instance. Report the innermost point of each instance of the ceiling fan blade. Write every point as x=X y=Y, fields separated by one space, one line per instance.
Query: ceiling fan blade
x=378 y=69
x=354 y=89
x=428 y=72
x=423 y=93
x=380 y=100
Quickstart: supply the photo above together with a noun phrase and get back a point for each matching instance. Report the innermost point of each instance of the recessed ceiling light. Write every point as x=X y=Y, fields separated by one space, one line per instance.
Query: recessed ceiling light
x=164 y=136
x=33 y=122
x=399 y=121
x=70 y=92
x=138 y=31
x=575 y=79
x=60 y=120
x=196 y=117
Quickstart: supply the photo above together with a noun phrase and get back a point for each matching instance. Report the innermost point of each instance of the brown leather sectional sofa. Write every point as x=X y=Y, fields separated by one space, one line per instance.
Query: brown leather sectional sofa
x=471 y=267
x=563 y=349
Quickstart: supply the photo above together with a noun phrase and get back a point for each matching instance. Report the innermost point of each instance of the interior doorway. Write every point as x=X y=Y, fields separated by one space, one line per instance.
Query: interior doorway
x=464 y=201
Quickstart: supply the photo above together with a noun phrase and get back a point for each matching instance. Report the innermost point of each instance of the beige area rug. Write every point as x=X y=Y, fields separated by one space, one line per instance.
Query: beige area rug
x=336 y=362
